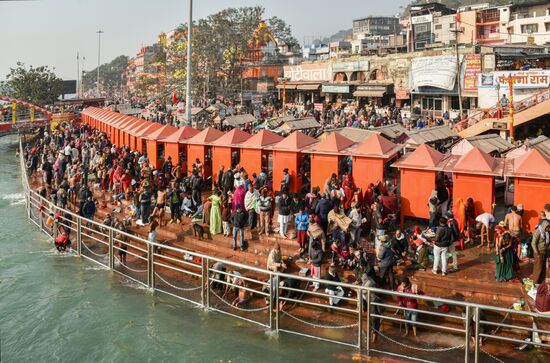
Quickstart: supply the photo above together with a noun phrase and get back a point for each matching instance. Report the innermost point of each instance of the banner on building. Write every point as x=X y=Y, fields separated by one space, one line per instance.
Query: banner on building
x=256 y=99
x=328 y=88
x=493 y=87
x=472 y=69
x=439 y=72
x=520 y=79
x=350 y=66
x=315 y=72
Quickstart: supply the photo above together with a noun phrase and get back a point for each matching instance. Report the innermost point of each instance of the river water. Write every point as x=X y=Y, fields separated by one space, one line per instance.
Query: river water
x=65 y=309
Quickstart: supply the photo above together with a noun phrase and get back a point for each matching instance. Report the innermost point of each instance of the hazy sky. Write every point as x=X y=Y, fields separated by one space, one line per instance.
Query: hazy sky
x=50 y=32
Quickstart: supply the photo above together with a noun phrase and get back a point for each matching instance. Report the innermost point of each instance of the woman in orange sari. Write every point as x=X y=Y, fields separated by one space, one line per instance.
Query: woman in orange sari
x=459 y=211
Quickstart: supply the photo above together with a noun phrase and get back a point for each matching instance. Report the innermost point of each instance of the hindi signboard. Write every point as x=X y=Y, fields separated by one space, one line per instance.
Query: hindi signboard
x=471 y=71
x=314 y=72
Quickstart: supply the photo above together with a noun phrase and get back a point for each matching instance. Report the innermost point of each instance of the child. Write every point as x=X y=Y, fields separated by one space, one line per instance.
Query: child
x=226 y=216
x=301 y=220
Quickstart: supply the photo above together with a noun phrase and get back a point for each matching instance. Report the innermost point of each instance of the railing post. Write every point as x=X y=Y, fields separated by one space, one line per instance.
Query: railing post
x=467 y=334
x=204 y=282
x=368 y=321
x=276 y=285
x=150 y=266
x=360 y=319
x=207 y=283
x=111 y=250
x=79 y=236
x=55 y=227
x=271 y=280
x=476 y=335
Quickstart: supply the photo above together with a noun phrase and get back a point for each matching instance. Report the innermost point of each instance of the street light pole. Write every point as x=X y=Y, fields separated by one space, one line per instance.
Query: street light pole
x=99 y=32
x=189 y=54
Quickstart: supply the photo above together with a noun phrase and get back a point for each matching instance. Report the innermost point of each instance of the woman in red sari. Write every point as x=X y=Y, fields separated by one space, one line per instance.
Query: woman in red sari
x=459 y=211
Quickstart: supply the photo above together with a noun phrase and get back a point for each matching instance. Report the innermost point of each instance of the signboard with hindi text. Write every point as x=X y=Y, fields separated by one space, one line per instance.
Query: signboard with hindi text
x=314 y=72
x=494 y=86
x=472 y=69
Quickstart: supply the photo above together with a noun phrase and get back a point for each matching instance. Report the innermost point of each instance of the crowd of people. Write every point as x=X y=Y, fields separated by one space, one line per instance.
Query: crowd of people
x=332 y=224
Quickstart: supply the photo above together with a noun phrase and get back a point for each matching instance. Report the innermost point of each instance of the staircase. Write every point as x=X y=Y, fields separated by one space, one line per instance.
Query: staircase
x=524 y=111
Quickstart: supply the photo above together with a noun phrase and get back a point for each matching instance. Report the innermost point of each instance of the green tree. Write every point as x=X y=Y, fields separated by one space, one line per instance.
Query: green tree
x=110 y=74
x=39 y=86
x=220 y=43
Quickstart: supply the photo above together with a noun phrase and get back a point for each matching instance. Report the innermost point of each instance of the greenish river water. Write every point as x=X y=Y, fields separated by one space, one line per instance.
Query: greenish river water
x=65 y=309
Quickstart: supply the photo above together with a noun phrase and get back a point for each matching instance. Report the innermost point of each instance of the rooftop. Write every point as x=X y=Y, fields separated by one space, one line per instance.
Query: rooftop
x=296 y=141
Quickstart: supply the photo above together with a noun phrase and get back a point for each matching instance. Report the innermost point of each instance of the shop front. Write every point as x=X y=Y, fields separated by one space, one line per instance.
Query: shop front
x=378 y=93
x=302 y=85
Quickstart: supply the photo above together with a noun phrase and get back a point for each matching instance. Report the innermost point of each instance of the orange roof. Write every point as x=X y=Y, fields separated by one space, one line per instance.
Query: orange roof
x=533 y=164
x=475 y=161
x=334 y=143
x=161 y=133
x=127 y=121
x=135 y=126
x=295 y=142
x=423 y=157
x=207 y=135
x=378 y=146
x=117 y=121
x=235 y=136
x=152 y=127
x=139 y=127
x=261 y=139
x=183 y=133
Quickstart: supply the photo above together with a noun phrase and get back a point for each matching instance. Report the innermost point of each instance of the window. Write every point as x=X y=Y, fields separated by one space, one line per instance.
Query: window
x=529 y=28
x=421 y=28
x=431 y=103
x=547 y=26
x=438 y=27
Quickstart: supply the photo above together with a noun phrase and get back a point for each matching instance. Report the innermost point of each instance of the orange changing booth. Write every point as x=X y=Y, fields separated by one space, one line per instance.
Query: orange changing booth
x=101 y=117
x=110 y=119
x=288 y=154
x=474 y=177
x=225 y=148
x=155 y=148
x=255 y=153
x=418 y=172
x=115 y=129
x=531 y=174
x=198 y=147
x=175 y=145
x=370 y=158
x=326 y=157
x=129 y=132
x=135 y=131
x=123 y=136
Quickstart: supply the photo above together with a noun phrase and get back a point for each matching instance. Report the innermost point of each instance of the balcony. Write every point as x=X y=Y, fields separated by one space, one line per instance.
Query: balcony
x=488 y=17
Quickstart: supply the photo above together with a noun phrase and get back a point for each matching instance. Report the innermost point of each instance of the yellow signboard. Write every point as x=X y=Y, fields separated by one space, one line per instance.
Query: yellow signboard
x=13 y=112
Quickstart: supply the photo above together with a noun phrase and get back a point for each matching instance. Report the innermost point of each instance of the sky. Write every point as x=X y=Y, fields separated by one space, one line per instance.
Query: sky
x=51 y=32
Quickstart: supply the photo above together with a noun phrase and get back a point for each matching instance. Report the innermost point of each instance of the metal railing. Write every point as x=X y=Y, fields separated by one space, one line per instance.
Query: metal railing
x=258 y=295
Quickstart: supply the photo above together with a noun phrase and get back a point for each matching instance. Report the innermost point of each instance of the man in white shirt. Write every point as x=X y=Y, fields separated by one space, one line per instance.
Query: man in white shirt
x=484 y=222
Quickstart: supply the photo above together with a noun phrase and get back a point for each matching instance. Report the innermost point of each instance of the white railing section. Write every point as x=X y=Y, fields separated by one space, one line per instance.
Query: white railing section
x=207 y=281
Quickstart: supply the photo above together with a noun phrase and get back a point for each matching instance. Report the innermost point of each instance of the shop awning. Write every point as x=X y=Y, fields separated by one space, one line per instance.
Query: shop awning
x=288 y=86
x=368 y=94
x=308 y=87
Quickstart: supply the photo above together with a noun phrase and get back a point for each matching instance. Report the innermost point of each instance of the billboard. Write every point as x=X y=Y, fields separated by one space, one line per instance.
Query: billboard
x=69 y=87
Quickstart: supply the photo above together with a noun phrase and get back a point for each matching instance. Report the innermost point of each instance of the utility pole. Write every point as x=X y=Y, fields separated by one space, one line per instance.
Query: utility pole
x=456 y=31
x=77 y=75
x=99 y=32
x=189 y=54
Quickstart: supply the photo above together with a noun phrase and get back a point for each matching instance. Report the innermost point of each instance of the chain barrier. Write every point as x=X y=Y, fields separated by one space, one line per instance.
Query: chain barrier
x=492 y=356
x=418 y=348
x=319 y=325
x=176 y=287
x=236 y=307
x=92 y=252
x=128 y=267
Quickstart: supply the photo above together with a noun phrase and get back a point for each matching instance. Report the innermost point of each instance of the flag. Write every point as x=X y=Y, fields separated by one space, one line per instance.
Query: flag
x=174 y=97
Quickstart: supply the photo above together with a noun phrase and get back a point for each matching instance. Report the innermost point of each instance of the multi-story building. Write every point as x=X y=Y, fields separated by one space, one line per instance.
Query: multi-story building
x=529 y=23
x=375 y=25
x=340 y=49
x=316 y=52
x=421 y=31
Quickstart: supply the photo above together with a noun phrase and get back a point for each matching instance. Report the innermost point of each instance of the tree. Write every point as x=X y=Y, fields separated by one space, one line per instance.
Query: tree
x=220 y=43
x=110 y=75
x=39 y=86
